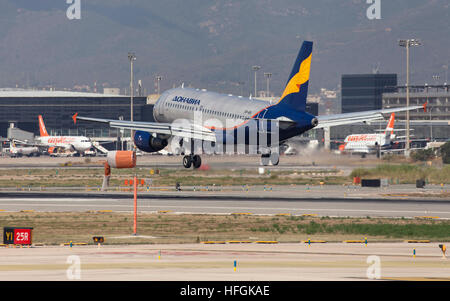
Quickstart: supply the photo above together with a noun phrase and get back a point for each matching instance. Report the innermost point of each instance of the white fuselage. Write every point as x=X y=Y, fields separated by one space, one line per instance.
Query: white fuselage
x=74 y=143
x=366 y=143
x=218 y=110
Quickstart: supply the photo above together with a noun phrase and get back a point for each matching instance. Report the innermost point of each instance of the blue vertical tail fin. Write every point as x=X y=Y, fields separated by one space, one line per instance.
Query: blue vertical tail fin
x=296 y=90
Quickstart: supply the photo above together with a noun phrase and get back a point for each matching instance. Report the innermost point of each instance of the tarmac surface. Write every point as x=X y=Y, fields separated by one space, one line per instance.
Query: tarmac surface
x=262 y=262
x=319 y=161
x=327 y=200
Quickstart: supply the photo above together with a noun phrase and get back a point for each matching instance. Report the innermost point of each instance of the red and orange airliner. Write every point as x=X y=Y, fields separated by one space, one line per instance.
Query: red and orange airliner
x=80 y=144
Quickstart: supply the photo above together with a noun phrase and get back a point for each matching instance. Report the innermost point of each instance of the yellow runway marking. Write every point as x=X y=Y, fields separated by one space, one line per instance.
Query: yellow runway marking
x=415 y=279
x=161 y=264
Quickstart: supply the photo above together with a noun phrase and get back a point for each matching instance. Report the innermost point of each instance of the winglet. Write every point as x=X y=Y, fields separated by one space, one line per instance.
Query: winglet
x=425 y=106
x=74 y=117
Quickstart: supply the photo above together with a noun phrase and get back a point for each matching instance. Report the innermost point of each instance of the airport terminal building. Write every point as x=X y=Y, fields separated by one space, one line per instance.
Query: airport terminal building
x=22 y=108
x=363 y=92
x=435 y=122
x=433 y=125
x=437 y=97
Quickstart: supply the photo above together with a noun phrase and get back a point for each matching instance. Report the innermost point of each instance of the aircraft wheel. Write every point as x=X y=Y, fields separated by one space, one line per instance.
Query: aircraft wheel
x=274 y=158
x=265 y=160
x=187 y=161
x=197 y=161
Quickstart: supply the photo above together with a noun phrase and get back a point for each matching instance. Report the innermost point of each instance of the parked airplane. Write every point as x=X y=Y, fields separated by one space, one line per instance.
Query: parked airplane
x=80 y=144
x=387 y=142
x=180 y=115
x=369 y=143
x=20 y=151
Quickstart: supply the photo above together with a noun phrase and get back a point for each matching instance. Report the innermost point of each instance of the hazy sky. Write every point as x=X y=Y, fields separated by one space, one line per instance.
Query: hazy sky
x=213 y=44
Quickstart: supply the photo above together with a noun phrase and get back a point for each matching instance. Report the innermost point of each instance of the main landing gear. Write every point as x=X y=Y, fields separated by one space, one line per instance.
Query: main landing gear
x=192 y=160
x=273 y=158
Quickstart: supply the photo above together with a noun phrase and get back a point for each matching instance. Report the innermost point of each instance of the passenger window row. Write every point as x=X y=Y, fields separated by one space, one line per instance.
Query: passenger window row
x=206 y=111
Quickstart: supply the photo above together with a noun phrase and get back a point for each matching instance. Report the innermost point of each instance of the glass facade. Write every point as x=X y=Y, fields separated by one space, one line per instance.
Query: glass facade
x=58 y=111
x=363 y=92
x=437 y=97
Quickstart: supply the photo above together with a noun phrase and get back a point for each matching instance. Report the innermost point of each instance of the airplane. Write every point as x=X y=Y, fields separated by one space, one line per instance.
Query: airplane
x=234 y=121
x=28 y=151
x=370 y=143
x=387 y=142
x=79 y=144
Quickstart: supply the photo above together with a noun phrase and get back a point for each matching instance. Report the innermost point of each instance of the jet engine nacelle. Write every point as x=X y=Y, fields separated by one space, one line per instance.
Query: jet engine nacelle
x=147 y=143
x=121 y=159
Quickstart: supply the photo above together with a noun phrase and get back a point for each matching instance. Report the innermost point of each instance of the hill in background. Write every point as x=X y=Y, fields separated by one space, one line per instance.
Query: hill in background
x=213 y=44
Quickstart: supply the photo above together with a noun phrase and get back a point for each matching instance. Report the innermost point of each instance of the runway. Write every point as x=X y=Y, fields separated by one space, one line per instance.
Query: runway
x=320 y=161
x=217 y=203
x=200 y=262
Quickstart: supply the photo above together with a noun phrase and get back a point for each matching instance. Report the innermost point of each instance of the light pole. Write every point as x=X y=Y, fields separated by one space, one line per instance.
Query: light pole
x=436 y=79
x=446 y=72
x=407 y=44
x=255 y=68
x=158 y=80
x=241 y=86
x=121 y=134
x=132 y=58
x=268 y=75
x=431 y=125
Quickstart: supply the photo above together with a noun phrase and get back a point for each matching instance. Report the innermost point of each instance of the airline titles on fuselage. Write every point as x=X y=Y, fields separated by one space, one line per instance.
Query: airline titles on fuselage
x=56 y=140
x=360 y=138
x=186 y=100
x=196 y=103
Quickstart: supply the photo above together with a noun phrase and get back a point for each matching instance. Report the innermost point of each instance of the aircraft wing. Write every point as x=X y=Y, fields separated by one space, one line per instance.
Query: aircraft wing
x=355 y=117
x=184 y=130
x=398 y=150
x=403 y=139
x=394 y=130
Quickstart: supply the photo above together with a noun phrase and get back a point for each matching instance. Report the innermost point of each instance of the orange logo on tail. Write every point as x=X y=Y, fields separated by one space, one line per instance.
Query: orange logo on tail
x=42 y=129
x=390 y=126
x=299 y=78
